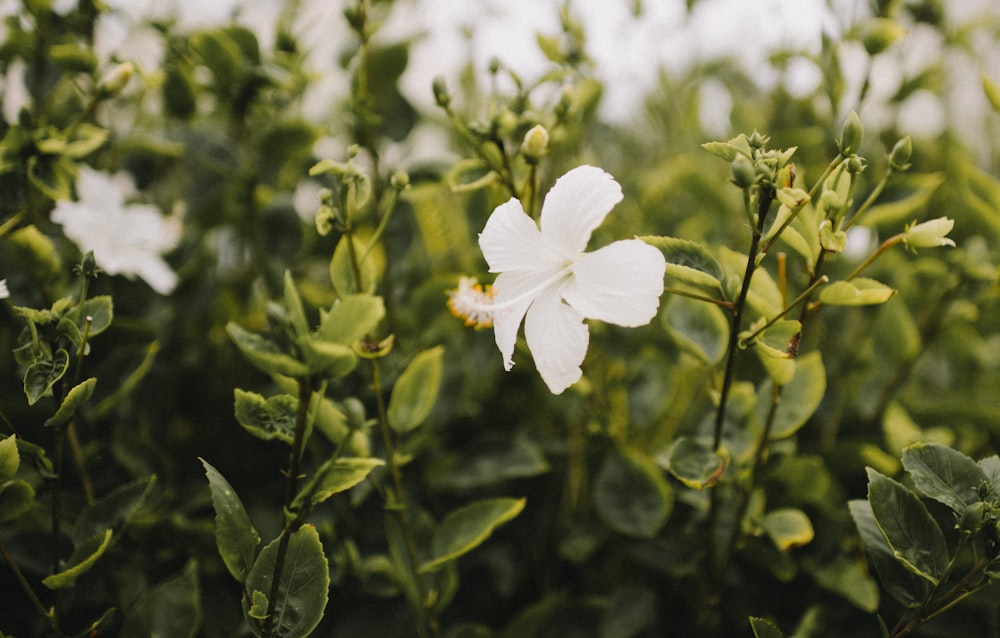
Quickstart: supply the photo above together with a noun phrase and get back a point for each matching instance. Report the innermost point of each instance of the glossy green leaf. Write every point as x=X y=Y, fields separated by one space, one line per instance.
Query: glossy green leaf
x=856 y=292
x=335 y=476
x=699 y=328
x=264 y=354
x=98 y=312
x=171 y=608
x=416 y=390
x=631 y=495
x=342 y=273
x=272 y=418
x=16 y=498
x=235 y=536
x=10 y=460
x=76 y=397
x=914 y=536
x=909 y=589
x=800 y=397
x=466 y=528
x=43 y=373
x=788 y=527
x=85 y=556
x=945 y=475
x=352 y=318
x=694 y=462
x=303 y=586
x=763 y=628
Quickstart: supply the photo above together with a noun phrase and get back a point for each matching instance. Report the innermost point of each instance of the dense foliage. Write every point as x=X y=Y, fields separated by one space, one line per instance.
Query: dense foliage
x=251 y=385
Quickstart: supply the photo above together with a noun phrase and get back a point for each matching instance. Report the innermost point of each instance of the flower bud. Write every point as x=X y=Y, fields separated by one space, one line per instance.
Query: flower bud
x=116 y=79
x=535 y=144
x=878 y=34
x=856 y=165
x=399 y=180
x=743 y=171
x=899 y=158
x=758 y=140
x=441 y=95
x=929 y=234
x=850 y=135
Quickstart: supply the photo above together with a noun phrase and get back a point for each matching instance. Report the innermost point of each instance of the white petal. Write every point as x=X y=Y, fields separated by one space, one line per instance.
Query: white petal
x=511 y=301
x=620 y=283
x=511 y=240
x=558 y=339
x=576 y=205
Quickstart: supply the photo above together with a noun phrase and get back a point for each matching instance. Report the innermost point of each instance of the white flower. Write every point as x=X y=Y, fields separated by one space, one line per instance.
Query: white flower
x=4 y=291
x=548 y=280
x=127 y=239
x=929 y=234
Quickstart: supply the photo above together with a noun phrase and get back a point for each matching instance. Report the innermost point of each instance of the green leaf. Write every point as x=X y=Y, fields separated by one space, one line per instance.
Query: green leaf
x=914 y=536
x=351 y=318
x=235 y=536
x=470 y=174
x=294 y=307
x=16 y=498
x=89 y=552
x=171 y=608
x=945 y=475
x=10 y=460
x=800 y=397
x=258 y=605
x=468 y=527
x=699 y=328
x=763 y=628
x=114 y=510
x=99 y=311
x=788 y=527
x=416 y=390
x=86 y=139
x=694 y=462
x=264 y=354
x=630 y=612
x=303 y=586
x=849 y=578
x=992 y=91
x=74 y=398
x=43 y=373
x=342 y=269
x=728 y=151
x=488 y=463
x=687 y=253
x=327 y=359
x=335 y=476
x=908 y=208
x=909 y=589
x=178 y=91
x=266 y=419
x=856 y=292
x=222 y=55
x=631 y=495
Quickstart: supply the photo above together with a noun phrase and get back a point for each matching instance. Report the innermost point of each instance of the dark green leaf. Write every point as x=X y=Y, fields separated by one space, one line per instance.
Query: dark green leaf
x=10 y=460
x=303 y=587
x=902 y=584
x=77 y=396
x=235 y=536
x=945 y=475
x=16 y=498
x=114 y=510
x=43 y=374
x=694 y=462
x=913 y=535
x=631 y=496
x=468 y=527
x=171 y=608
x=85 y=556
x=763 y=628
x=264 y=354
x=799 y=398
x=700 y=328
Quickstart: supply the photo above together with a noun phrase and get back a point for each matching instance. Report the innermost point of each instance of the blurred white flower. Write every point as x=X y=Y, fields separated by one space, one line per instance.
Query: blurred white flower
x=929 y=234
x=126 y=239
x=4 y=291
x=548 y=280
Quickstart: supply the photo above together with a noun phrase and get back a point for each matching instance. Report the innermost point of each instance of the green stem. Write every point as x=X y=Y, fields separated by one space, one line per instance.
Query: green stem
x=727 y=305
x=291 y=484
x=870 y=199
x=798 y=300
x=886 y=245
x=28 y=591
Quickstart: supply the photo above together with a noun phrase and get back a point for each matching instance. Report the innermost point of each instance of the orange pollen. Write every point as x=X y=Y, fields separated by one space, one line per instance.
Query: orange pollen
x=472 y=303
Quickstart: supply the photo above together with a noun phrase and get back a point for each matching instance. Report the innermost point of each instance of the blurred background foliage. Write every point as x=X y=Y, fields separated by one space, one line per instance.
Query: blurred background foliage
x=221 y=130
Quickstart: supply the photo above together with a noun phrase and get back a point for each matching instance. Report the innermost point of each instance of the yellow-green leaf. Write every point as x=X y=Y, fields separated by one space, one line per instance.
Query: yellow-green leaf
x=67 y=577
x=466 y=528
x=416 y=390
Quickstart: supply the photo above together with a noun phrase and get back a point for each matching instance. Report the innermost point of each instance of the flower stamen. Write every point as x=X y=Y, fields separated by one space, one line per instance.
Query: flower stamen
x=472 y=303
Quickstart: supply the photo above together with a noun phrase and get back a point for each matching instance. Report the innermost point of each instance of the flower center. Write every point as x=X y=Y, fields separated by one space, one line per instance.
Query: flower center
x=478 y=305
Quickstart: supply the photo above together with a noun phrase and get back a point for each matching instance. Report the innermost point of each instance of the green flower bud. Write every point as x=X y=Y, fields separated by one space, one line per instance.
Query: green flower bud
x=764 y=171
x=441 y=95
x=850 y=135
x=856 y=165
x=505 y=122
x=535 y=144
x=116 y=79
x=744 y=174
x=758 y=140
x=399 y=180
x=878 y=34
x=899 y=158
